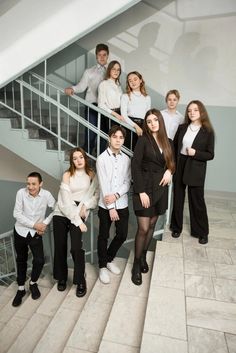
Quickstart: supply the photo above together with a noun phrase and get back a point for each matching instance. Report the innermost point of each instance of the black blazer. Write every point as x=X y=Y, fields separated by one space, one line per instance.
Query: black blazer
x=195 y=168
x=147 y=167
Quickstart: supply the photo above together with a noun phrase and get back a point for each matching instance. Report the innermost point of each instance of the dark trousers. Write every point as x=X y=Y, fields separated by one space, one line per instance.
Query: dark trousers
x=21 y=246
x=90 y=136
x=197 y=208
x=107 y=254
x=61 y=227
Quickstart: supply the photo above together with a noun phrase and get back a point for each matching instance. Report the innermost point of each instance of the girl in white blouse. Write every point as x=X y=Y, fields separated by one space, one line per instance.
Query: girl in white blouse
x=109 y=96
x=77 y=195
x=134 y=104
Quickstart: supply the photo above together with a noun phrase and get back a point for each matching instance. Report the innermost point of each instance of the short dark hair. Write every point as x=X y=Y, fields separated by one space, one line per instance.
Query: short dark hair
x=116 y=128
x=100 y=47
x=35 y=175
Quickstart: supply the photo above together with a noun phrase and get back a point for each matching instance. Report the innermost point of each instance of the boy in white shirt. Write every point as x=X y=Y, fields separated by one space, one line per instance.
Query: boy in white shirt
x=114 y=175
x=172 y=118
x=29 y=211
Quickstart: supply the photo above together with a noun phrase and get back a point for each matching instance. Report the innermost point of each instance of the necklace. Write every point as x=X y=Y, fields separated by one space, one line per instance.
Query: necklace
x=196 y=129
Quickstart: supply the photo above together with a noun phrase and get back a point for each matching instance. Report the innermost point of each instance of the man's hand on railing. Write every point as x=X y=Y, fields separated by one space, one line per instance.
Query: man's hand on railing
x=69 y=91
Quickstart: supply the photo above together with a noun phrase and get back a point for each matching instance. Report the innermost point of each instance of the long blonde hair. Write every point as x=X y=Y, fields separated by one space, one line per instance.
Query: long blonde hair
x=142 y=85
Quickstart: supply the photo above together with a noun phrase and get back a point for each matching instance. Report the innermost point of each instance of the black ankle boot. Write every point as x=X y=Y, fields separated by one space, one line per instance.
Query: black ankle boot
x=136 y=273
x=143 y=262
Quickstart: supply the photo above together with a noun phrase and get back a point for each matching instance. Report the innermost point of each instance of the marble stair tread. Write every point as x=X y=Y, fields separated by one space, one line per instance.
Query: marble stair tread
x=125 y=323
x=58 y=331
x=17 y=321
x=90 y=326
x=30 y=334
x=166 y=314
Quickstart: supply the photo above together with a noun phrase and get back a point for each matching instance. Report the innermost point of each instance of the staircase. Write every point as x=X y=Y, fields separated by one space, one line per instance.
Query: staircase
x=61 y=322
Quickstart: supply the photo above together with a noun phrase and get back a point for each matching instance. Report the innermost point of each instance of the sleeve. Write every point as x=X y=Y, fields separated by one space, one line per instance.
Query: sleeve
x=124 y=109
x=124 y=188
x=136 y=166
x=208 y=154
x=102 y=97
x=18 y=213
x=93 y=199
x=51 y=204
x=67 y=206
x=82 y=85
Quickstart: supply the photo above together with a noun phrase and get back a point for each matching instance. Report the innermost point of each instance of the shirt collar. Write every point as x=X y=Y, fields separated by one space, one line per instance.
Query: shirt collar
x=28 y=194
x=109 y=151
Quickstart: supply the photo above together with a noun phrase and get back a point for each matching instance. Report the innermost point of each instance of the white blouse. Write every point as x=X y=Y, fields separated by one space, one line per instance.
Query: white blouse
x=189 y=138
x=109 y=95
x=134 y=105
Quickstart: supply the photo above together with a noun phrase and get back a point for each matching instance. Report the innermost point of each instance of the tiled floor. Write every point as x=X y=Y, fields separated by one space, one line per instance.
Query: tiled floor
x=206 y=274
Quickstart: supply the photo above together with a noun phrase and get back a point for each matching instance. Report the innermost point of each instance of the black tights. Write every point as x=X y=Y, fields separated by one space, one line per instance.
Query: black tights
x=146 y=226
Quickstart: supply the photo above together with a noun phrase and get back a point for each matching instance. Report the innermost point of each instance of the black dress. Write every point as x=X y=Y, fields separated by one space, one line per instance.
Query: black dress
x=148 y=166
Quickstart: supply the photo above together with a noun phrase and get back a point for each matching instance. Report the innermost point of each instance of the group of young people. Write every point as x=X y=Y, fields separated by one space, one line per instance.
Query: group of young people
x=168 y=145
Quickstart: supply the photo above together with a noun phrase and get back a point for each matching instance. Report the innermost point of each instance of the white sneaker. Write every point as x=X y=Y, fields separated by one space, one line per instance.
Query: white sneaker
x=104 y=275
x=113 y=268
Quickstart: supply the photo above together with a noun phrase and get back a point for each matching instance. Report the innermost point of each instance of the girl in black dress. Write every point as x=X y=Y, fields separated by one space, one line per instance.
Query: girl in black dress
x=152 y=168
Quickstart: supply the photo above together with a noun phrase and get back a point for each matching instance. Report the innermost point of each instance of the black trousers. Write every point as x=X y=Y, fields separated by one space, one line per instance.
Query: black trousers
x=61 y=227
x=199 y=226
x=107 y=254
x=22 y=246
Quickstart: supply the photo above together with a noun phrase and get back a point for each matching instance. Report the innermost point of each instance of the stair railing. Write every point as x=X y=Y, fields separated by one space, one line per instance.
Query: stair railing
x=49 y=97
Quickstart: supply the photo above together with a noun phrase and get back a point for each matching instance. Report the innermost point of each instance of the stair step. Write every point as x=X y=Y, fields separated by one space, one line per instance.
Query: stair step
x=165 y=321
x=16 y=322
x=90 y=326
x=123 y=332
x=62 y=324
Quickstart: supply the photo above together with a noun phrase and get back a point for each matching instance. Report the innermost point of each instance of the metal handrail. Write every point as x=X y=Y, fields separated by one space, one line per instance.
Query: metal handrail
x=61 y=107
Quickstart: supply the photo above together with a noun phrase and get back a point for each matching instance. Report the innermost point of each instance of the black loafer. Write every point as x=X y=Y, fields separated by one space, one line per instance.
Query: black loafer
x=81 y=289
x=18 y=298
x=35 y=293
x=175 y=234
x=203 y=241
x=61 y=285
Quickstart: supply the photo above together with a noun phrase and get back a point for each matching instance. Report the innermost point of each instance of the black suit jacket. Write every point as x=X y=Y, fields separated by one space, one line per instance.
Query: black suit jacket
x=195 y=168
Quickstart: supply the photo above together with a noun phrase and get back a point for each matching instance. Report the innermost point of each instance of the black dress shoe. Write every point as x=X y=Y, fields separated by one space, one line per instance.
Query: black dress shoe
x=18 y=298
x=136 y=273
x=175 y=234
x=203 y=240
x=35 y=293
x=81 y=289
x=61 y=285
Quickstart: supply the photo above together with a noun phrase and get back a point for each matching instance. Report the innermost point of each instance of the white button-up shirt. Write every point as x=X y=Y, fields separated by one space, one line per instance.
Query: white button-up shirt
x=29 y=210
x=172 y=122
x=114 y=176
x=90 y=81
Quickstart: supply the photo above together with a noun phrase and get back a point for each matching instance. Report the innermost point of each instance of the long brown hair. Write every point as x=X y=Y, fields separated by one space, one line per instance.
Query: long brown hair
x=87 y=168
x=162 y=138
x=204 y=117
x=110 y=67
x=142 y=85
